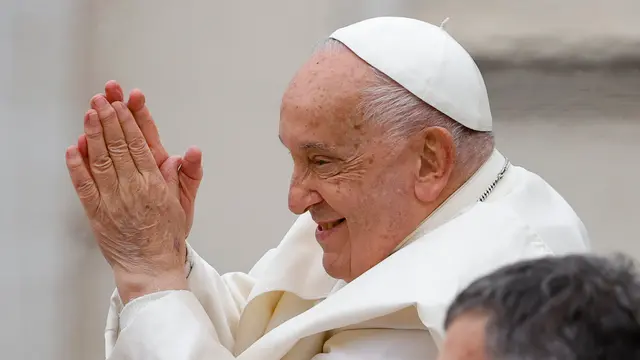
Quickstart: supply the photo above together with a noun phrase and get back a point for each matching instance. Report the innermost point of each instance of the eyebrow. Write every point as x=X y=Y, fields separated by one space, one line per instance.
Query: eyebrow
x=313 y=146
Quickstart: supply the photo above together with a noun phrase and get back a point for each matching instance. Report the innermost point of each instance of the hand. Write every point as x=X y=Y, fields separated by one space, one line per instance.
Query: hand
x=139 y=222
x=190 y=173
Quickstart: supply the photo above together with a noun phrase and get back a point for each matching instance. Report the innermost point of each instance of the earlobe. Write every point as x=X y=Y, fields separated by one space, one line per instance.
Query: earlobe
x=428 y=192
x=437 y=159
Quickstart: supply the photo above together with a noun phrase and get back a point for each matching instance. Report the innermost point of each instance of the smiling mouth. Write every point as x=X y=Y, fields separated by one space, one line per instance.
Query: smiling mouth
x=329 y=226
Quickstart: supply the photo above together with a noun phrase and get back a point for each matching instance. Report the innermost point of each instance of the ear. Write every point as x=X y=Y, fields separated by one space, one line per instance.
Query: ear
x=436 y=162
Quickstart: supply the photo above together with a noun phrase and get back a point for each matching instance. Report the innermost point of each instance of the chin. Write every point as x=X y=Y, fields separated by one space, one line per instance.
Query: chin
x=334 y=267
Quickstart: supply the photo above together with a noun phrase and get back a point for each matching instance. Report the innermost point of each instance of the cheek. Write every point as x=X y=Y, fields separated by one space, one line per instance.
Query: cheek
x=373 y=201
x=374 y=190
x=392 y=187
x=341 y=195
x=388 y=199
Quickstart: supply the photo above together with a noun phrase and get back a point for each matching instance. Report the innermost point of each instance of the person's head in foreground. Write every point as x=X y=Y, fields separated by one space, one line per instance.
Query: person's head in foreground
x=557 y=308
x=381 y=132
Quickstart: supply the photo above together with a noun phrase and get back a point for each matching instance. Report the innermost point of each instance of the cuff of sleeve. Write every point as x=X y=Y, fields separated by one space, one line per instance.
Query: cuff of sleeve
x=173 y=326
x=135 y=306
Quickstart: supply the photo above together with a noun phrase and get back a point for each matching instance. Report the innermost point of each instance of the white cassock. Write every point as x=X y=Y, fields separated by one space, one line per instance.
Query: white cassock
x=287 y=307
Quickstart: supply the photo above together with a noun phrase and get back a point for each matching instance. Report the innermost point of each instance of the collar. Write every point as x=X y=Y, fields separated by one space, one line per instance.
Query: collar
x=479 y=185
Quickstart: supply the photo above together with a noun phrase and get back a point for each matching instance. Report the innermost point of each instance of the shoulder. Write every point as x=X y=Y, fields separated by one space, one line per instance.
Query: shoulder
x=537 y=204
x=477 y=241
x=430 y=272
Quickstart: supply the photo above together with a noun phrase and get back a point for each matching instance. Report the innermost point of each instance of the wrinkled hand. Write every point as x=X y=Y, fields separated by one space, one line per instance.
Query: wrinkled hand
x=136 y=215
x=186 y=181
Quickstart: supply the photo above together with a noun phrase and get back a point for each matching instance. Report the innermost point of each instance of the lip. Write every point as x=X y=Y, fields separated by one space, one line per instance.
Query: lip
x=324 y=235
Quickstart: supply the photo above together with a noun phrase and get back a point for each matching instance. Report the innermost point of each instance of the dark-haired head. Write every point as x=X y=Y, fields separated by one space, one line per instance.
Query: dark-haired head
x=573 y=307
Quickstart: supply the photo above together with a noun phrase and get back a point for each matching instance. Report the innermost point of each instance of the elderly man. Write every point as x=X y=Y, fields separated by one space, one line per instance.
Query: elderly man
x=403 y=200
x=570 y=308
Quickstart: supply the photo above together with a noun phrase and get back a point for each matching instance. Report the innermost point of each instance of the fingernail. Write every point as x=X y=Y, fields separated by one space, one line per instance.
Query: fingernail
x=100 y=101
x=72 y=152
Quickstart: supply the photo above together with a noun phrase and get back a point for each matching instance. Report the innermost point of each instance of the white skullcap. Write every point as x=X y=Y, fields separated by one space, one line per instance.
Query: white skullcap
x=426 y=61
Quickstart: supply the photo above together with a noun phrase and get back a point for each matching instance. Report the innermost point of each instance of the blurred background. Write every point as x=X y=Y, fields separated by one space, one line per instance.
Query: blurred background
x=563 y=77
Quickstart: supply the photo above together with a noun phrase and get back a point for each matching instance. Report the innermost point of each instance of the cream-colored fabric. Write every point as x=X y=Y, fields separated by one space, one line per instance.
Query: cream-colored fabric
x=287 y=307
x=427 y=61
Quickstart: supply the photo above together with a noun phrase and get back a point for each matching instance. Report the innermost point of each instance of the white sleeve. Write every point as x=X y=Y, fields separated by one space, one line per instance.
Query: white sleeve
x=379 y=344
x=181 y=325
x=173 y=326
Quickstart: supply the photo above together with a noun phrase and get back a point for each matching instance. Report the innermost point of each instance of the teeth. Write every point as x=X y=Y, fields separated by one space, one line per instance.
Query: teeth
x=329 y=226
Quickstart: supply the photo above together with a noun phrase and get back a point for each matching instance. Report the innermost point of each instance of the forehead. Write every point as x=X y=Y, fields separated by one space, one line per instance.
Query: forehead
x=321 y=102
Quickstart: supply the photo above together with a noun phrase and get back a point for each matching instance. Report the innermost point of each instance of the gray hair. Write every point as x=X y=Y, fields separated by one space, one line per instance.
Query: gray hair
x=400 y=112
x=558 y=308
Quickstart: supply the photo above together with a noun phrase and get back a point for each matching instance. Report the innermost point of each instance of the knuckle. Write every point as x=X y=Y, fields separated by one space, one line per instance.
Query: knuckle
x=102 y=163
x=87 y=192
x=117 y=146
x=122 y=111
x=94 y=134
x=75 y=167
x=108 y=114
x=85 y=187
x=138 y=145
x=118 y=105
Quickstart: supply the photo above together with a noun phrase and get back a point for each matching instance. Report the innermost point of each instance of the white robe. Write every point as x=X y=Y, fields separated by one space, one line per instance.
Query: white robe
x=287 y=307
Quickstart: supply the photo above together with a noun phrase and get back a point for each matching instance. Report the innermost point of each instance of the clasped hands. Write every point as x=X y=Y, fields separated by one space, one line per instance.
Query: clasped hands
x=139 y=200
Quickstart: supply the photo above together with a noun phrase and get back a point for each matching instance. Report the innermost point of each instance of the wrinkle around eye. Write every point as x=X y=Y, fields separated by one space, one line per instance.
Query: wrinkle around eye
x=355 y=168
x=325 y=167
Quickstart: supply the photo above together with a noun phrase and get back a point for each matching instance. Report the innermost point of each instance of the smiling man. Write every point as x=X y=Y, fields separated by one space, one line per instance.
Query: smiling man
x=403 y=200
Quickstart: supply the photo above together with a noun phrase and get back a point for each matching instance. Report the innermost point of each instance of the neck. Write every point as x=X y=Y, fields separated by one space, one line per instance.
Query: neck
x=463 y=192
x=466 y=169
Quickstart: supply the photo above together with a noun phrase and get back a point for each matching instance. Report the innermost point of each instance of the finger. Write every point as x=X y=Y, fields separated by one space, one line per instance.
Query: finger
x=82 y=145
x=138 y=148
x=82 y=148
x=170 y=170
x=100 y=162
x=114 y=137
x=140 y=111
x=82 y=181
x=190 y=177
x=113 y=91
x=192 y=164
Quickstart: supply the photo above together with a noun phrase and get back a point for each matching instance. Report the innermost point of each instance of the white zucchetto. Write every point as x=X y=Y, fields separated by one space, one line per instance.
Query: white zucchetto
x=425 y=60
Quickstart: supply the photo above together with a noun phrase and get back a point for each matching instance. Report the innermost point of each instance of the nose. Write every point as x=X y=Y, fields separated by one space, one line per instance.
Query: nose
x=301 y=196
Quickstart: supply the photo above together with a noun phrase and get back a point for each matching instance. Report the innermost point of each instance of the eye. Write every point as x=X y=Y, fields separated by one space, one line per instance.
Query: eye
x=319 y=161
x=324 y=167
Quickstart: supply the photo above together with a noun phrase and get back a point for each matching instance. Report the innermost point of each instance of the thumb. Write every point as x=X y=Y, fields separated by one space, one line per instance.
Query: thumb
x=169 y=170
x=190 y=177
